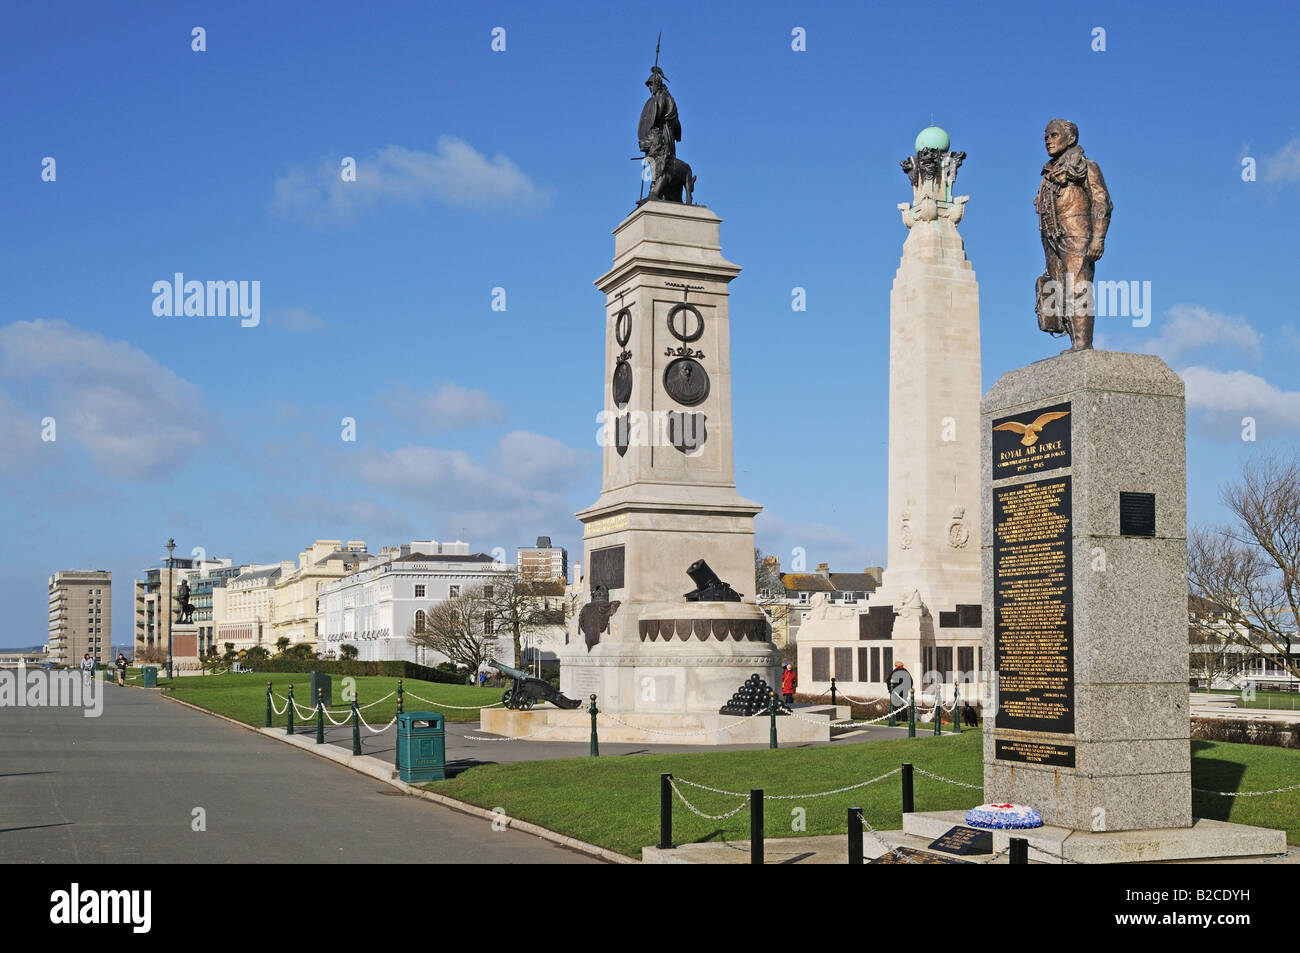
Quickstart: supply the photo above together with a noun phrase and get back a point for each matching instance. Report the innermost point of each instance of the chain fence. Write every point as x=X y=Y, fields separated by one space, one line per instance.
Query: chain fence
x=429 y=701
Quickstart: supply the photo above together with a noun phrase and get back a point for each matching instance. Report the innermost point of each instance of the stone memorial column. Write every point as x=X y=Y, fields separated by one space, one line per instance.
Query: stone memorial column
x=668 y=491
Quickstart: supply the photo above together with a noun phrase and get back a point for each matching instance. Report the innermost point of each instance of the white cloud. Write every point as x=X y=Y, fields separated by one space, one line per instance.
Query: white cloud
x=1186 y=328
x=541 y=462
x=456 y=174
x=1225 y=397
x=297 y=319
x=20 y=435
x=520 y=482
x=133 y=416
x=1284 y=165
x=1290 y=336
x=450 y=407
x=820 y=543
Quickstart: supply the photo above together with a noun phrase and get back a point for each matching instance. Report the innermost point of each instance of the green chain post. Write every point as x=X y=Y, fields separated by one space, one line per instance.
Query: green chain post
x=320 y=717
x=911 y=713
x=595 y=741
x=397 y=729
x=268 y=704
x=356 y=728
x=771 y=712
x=289 y=711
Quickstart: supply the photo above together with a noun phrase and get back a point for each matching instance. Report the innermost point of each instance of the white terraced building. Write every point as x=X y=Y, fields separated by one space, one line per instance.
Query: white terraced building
x=243 y=608
x=375 y=607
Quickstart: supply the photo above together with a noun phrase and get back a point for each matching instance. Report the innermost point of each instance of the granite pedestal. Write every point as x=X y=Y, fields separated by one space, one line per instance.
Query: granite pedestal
x=1085 y=591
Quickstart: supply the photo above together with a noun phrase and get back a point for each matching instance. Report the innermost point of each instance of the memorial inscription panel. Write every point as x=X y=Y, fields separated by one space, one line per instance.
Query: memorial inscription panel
x=1033 y=607
x=964 y=841
x=1034 y=752
x=1137 y=514
x=607 y=567
x=1031 y=442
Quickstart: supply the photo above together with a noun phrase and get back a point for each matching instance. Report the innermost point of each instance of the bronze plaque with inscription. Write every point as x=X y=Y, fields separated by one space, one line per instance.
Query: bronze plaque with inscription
x=1034 y=752
x=964 y=841
x=1032 y=442
x=1033 y=606
x=607 y=567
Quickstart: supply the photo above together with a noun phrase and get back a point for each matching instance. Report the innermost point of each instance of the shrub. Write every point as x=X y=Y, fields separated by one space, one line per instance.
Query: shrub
x=1239 y=731
x=355 y=667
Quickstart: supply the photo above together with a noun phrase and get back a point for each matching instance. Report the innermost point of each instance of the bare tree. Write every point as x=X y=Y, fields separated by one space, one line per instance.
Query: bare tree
x=1212 y=657
x=767 y=576
x=150 y=655
x=1249 y=570
x=520 y=606
x=457 y=628
x=769 y=594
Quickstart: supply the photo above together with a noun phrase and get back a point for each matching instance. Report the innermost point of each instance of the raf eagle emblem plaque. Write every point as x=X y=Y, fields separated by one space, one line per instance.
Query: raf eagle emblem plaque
x=1031 y=442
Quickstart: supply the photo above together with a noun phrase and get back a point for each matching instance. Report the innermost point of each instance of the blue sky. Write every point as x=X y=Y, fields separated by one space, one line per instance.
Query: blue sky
x=482 y=169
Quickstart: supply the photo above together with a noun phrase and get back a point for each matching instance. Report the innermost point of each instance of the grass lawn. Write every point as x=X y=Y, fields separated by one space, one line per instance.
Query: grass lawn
x=614 y=801
x=1219 y=766
x=243 y=697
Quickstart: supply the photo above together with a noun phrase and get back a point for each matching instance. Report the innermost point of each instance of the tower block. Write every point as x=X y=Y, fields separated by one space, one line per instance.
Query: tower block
x=933 y=574
x=668 y=494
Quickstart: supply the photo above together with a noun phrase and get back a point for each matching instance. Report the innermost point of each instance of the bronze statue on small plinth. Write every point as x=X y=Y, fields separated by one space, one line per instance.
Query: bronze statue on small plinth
x=1073 y=215
x=184 y=608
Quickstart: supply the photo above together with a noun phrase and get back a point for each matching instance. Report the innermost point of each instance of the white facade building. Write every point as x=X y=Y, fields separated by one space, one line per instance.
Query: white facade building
x=374 y=608
x=242 y=610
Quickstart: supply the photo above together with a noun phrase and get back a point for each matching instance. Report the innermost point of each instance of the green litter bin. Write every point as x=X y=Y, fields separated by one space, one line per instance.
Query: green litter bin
x=422 y=742
x=149 y=676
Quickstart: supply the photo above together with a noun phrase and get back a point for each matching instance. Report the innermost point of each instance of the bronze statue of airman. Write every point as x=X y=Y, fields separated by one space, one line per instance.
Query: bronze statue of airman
x=1073 y=216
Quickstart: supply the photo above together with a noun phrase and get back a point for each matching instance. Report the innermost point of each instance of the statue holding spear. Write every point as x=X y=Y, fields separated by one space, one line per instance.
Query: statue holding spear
x=658 y=133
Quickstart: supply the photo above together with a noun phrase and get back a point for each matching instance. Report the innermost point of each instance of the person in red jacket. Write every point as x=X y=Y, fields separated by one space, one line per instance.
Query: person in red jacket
x=788 y=683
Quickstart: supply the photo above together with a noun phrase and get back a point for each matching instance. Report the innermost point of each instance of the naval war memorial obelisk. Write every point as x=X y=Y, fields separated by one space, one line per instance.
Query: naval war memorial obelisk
x=925 y=616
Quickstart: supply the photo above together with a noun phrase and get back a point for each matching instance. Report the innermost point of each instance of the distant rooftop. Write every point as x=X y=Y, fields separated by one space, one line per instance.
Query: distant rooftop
x=445 y=558
x=272 y=573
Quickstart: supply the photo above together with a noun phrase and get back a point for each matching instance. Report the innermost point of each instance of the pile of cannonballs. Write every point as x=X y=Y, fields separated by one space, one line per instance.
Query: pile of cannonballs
x=750 y=698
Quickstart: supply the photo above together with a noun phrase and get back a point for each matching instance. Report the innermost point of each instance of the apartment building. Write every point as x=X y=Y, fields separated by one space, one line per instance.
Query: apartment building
x=543 y=562
x=81 y=616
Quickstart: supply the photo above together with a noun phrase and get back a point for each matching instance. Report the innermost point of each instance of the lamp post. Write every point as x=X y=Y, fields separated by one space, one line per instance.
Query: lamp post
x=171 y=545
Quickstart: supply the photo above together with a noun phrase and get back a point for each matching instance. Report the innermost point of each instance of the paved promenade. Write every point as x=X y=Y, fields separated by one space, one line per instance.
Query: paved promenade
x=122 y=788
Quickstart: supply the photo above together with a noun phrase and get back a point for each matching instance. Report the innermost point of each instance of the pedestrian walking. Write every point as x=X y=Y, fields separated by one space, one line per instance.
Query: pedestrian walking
x=87 y=667
x=121 y=669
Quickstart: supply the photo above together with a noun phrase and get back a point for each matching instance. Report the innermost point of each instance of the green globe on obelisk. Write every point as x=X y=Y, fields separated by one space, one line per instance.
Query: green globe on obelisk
x=931 y=137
